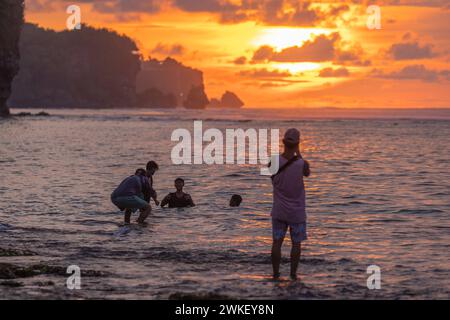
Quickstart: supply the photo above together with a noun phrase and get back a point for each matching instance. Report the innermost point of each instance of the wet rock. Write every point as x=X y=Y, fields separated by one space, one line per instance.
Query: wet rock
x=13 y=284
x=23 y=114
x=198 y=296
x=45 y=283
x=29 y=114
x=4 y=226
x=11 y=271
x=42 y=114
x=15 y=253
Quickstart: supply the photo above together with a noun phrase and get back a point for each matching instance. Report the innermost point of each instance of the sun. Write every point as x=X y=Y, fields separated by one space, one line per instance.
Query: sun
x=298 y=67
x=281 y=38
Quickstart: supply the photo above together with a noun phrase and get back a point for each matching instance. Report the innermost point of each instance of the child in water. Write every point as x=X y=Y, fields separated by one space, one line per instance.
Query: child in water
x=235 y=200
x=178 y=199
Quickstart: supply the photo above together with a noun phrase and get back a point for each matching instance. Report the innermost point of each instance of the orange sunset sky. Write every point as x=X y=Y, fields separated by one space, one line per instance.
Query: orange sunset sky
x=287 y=53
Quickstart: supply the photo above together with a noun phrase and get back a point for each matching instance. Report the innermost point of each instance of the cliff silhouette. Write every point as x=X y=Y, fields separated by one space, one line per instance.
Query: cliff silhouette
x=11 y=21
x=87 y=68
x=168 y=77
x=98 y=68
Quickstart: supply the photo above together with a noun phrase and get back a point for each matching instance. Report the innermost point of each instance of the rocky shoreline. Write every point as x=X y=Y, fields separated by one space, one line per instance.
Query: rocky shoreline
x=13 y=274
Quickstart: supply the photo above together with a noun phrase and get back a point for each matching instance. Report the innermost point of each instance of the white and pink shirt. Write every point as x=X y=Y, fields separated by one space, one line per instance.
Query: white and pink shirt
x=289 y=199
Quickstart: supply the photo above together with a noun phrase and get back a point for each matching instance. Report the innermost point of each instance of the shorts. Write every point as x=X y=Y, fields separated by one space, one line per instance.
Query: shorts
x=130 y=202
x=296 y=230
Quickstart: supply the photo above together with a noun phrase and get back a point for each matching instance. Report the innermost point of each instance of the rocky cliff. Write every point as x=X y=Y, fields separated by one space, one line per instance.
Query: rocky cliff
x=87 y=68
x=11 y=20
x=170 y=77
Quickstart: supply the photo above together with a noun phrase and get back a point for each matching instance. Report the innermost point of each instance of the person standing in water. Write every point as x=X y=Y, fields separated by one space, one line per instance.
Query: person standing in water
x=288 y=209
x=178 y=199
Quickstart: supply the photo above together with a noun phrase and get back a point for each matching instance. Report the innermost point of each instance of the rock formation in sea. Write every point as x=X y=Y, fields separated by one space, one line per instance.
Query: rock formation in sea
x=229 y=100
x=11 y=21
x=170 y=77
x=196 y=98
x=155 y=98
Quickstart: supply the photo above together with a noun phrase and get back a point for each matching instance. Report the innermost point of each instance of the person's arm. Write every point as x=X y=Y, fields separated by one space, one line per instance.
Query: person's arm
x=306 y=169
x=189 y=199
x=165 y=201
x=152 y=192
x=155 y=197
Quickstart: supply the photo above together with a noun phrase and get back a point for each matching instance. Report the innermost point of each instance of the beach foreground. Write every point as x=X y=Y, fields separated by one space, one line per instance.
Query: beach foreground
x=378 y=195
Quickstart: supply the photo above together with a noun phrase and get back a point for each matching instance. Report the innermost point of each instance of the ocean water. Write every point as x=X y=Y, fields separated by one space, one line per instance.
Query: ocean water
x=379 y=195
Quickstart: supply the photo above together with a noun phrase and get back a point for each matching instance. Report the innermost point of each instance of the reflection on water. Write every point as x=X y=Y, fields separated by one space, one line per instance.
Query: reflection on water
x=379 y=194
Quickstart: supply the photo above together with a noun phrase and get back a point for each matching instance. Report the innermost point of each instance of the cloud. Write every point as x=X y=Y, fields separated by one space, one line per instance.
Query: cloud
x=414 y=3
x=353 y=55
x=126 y=6
x=413 y=72
x=334 y=73
x=214 y=6
x=262 y=54
x=410 y=50
x=269 y=12
x=38 y=5
x=169 y=50
x=240 y=60
x=320 y=48
x=264 y=73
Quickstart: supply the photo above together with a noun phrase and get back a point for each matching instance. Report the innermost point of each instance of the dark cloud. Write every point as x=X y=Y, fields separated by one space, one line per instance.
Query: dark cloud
x=334 y=73
x=351 y=56
x=414 y=3
x=214 y=6
x=320 y=48
x=263 y=54
x=265 y=74
x=269 y=12
x=38 y=5
x=169 y=50
x=410 y=50
x=413 y=72
x=124 y=6
x=240 y=60
x=445 y=74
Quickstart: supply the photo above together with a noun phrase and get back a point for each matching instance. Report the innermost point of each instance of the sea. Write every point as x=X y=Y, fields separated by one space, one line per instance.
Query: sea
x=378 y=206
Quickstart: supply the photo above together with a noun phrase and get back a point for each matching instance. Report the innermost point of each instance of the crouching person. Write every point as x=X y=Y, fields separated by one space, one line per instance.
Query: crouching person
x=129 y=196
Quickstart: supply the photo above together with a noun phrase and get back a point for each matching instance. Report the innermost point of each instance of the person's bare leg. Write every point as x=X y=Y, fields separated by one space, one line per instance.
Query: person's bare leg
x=127 y=216
x=144 y=214
x=276 y=257
x=295 y=258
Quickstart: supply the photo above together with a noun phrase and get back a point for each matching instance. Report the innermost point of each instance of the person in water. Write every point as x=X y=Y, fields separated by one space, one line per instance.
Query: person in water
x=289 y=199
x=235 y=200
x=130 y=196
x=178 y=199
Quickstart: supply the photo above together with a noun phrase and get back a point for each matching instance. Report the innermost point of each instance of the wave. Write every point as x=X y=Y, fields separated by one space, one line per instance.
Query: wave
x=201 y=256
x=4 y=227
x=418 y=211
